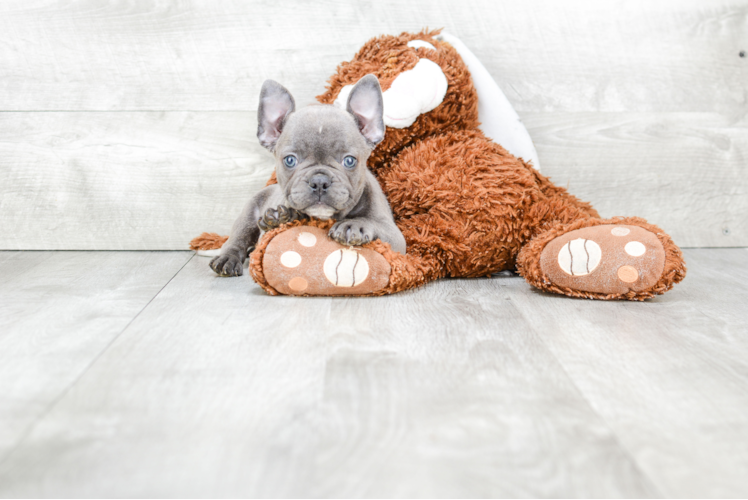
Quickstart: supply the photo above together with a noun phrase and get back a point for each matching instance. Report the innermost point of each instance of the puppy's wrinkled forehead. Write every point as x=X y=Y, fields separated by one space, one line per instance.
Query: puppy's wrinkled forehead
x=321 y=131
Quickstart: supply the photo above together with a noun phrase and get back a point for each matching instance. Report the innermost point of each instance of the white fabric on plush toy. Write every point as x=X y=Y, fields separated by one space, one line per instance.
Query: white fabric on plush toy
x=498 y=119
x=412 y=93
x=423 y=88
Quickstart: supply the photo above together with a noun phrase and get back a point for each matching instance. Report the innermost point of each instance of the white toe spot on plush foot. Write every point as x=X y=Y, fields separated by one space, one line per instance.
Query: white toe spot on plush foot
x=579 y=257
x=620 y=231
x=290 y=259
x=307 y=239
x=635 y=248
x=346 y=267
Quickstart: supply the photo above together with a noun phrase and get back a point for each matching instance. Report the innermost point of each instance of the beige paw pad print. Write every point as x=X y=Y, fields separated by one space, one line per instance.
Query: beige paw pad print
x=304 y=260
x=604 y=259
x=346 y=268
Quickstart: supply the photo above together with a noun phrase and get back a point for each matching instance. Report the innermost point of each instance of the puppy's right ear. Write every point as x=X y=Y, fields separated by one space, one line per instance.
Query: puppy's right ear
x=366 y=104
x=276 y=103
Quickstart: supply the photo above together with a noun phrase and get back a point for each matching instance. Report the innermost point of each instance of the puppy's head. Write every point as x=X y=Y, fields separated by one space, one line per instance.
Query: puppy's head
x=321 y=151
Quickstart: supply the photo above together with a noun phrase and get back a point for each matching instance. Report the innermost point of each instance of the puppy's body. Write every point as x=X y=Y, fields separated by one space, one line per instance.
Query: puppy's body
x=321 y=154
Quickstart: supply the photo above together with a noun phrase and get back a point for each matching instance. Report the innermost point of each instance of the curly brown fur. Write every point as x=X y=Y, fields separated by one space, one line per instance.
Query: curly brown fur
x=465 y=205
x=208 y=241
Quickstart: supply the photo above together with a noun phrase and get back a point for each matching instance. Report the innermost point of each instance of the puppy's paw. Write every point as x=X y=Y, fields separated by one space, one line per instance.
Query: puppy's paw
x=227 y=265
x=353 y=232
x=275 y=217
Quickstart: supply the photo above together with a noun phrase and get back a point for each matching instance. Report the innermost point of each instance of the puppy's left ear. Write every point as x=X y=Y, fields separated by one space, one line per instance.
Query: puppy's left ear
x=366 y=105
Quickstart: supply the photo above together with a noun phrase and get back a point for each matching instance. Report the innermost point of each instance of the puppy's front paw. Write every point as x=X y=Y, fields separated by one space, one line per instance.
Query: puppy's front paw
x=275 y=217
x=227 y=265
x=353 y=232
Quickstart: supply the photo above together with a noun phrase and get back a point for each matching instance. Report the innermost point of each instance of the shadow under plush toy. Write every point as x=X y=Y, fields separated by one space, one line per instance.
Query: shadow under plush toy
x=465 y=205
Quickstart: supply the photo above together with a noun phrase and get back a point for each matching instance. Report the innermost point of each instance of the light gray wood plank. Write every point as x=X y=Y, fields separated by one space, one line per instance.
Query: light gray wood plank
x=669 y=376
x=686 y=172
x=447 y=392
x=58 y=312
x=639 y=55
x=720 y=275
x=219 y=390
x=136 y=181
x=125 y=181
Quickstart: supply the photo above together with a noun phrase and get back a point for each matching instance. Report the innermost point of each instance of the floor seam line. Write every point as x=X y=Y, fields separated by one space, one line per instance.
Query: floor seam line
x=77 y=379
x=602 y=418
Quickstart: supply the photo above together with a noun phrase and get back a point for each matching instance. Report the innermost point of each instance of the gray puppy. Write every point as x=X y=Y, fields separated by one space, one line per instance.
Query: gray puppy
x=320 y=162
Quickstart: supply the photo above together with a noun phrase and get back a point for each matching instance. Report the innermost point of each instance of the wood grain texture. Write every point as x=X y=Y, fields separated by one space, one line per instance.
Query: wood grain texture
x=125 y=181
x=667 y=56
x=686 y=172
x=136 y=181
x=670 y=377
x=58 y=312
x=637 y=106
x=217 y=389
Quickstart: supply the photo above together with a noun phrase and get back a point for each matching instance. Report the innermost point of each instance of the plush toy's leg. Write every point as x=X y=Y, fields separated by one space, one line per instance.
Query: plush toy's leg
x=208 y=244
x=300 y=259
x=621 y=258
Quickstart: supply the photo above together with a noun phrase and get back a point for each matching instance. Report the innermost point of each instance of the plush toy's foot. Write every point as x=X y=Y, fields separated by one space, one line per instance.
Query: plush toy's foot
x=625 y=260
x=208 y=244
x=304 y=261
x=604 y=259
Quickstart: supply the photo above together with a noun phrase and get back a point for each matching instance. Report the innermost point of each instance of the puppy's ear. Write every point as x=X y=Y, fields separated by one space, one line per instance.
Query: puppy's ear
x=366 y=105
x=276 y=103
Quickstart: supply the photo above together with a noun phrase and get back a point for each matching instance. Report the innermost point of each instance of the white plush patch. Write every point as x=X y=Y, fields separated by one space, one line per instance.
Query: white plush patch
x=579 y=257
x=307 y=239
x=209 y=253
x=413 y=92
x=635 y=248
x=290 y=259
x=346 y=267
x=420 y=44
x=342 y=98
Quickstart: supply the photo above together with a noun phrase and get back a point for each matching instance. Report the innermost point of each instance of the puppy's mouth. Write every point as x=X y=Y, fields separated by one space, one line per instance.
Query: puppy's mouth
x=320 y=210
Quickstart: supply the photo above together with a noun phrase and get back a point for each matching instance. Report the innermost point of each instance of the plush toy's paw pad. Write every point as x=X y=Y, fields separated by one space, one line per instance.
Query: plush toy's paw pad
x=275 y=217
x=305 y=261
x=609 y=259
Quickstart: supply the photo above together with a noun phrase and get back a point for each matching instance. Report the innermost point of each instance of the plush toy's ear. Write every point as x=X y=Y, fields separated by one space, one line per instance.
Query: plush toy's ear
x=366 y=105
x=276 y=103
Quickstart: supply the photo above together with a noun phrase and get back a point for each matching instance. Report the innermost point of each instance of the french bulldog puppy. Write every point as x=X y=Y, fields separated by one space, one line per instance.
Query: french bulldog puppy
x=320 y=163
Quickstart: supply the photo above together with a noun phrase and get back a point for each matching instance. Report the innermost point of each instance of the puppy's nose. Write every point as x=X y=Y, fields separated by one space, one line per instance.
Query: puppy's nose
x=319 y=183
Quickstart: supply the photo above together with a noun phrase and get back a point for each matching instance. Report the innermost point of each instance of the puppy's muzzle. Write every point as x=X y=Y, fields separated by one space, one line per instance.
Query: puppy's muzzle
x=319 y=183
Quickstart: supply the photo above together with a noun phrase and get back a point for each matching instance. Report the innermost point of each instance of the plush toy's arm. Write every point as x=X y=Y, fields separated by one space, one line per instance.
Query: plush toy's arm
x=245 y=232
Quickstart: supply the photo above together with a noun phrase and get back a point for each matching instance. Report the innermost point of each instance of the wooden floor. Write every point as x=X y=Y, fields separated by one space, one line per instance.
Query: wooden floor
x=142 y=374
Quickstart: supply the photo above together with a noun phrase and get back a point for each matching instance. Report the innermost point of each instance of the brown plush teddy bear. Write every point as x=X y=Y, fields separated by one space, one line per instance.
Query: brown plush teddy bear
x=466 y=206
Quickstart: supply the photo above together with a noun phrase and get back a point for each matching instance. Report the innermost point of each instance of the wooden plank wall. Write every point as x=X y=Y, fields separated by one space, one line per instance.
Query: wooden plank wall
x=130 y=124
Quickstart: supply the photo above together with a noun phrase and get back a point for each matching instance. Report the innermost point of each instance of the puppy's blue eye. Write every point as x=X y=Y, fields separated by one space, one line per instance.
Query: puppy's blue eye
x=349 y=162
x=290 y=161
